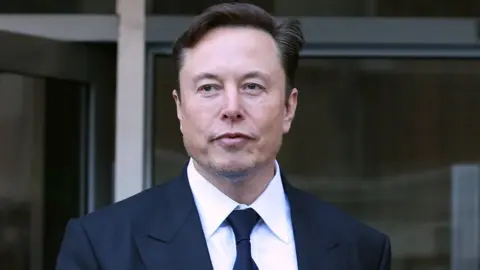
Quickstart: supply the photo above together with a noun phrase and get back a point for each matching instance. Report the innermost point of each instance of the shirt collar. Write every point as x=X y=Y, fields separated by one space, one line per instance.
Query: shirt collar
x=272 y=205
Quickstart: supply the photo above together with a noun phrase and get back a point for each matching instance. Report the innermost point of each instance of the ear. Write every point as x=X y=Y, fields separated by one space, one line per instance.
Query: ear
x=178 y=104
x=290 y=108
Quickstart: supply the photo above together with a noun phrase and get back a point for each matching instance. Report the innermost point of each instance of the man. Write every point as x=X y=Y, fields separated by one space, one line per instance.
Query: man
x=231 y=208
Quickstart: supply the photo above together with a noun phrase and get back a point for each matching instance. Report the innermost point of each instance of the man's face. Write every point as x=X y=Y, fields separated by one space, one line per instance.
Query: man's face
x=232 y=106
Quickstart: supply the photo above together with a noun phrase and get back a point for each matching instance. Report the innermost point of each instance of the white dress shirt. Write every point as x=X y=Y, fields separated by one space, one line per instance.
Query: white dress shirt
x=273 y=245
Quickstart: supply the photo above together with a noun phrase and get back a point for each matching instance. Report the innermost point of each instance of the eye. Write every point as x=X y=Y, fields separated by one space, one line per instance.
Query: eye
x=253 y=86
x=207 y=88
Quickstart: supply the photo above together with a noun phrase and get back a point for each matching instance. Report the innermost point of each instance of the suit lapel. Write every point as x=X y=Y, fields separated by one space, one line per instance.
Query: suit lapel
x=173 y=238
x=317 y=244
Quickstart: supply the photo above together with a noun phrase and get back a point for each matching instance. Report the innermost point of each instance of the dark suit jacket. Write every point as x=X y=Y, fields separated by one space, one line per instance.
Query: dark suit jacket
x=160 y=229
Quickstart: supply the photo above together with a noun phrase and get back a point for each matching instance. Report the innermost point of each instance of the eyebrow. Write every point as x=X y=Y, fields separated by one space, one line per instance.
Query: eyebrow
x=256 y=74
x=248 y=75
x=205 y=75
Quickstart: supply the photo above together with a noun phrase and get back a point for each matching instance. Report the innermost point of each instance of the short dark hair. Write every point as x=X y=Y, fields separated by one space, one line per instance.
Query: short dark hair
x=287 y=33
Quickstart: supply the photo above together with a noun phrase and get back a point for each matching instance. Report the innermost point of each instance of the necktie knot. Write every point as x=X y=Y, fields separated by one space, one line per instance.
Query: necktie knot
x=242 y=223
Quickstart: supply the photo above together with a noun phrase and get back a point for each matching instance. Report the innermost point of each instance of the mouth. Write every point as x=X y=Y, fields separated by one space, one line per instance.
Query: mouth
x=233 y=139
x=233 y=135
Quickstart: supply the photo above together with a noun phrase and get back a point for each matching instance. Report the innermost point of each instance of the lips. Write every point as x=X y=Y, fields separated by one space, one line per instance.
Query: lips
x=234 y=135
x=233 y=139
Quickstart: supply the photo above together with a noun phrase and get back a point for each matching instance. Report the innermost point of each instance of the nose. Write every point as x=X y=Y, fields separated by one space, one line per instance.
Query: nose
x=233 y=107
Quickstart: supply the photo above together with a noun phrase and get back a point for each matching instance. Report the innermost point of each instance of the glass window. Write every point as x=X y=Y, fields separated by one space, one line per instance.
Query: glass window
x=376 y=137
x=388 y=8
x=40 y=167
x=58 y=6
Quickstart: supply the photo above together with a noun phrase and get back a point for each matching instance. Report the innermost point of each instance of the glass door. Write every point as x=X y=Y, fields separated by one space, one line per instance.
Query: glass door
x=49 y=134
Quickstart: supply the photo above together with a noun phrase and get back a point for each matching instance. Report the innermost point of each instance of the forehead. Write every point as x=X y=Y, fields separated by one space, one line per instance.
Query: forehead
x=233 y=50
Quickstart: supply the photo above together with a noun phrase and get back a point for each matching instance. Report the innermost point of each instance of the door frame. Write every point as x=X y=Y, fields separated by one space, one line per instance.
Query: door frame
x=84 y=63
x=81 y=62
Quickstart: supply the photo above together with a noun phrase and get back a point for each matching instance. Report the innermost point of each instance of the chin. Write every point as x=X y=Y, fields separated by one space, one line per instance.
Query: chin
x=232 y=166
x=233 y=169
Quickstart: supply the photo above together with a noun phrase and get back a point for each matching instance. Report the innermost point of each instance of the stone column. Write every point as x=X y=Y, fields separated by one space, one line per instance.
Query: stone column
x=130 y=137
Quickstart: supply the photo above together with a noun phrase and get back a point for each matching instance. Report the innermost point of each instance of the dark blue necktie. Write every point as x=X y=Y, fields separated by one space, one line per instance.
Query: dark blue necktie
x=242 y=223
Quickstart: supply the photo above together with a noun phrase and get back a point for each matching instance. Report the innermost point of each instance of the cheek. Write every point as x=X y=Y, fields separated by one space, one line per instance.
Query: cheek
x=196 y=121
x=270 y=123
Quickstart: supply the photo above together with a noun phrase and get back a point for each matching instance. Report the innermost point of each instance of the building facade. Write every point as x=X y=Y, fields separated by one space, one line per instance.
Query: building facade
x=387 y=128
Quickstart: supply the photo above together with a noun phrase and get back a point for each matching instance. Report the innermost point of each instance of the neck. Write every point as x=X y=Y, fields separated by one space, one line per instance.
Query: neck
x=245 y=190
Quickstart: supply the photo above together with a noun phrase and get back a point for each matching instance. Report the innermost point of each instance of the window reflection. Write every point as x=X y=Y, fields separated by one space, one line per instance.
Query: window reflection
x=377 y=137
x=382 y=8
x=40 y=172
x=20 y=170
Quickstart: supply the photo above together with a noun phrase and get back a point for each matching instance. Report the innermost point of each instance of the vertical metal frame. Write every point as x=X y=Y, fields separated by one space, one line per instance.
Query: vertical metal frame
x=149 y=118
x=91 y=160
x=95 y=166
x=85 y=150
x=365 y=38
x=465 y=209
